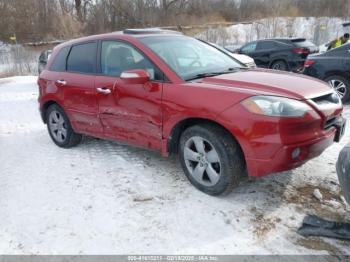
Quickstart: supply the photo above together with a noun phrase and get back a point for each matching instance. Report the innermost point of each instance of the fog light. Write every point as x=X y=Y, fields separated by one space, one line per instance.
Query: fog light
x=296 y=153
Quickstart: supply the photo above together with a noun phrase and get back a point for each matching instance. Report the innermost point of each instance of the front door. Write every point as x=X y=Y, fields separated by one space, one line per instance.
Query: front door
x=249 y=50
x=129 y=112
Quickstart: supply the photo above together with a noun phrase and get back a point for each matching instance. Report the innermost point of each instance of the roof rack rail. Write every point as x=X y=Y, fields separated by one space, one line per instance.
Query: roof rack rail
x=155 y=30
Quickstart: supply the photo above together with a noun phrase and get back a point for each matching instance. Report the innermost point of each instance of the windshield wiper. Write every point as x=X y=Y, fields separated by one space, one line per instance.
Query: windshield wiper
x=202 y=75
x=199 y=76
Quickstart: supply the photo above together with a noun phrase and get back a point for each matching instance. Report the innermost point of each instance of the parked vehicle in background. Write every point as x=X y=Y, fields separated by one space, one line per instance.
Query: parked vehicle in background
x=343 y=171
x=43 y=58
x=287 y=54
x=178 y=95
x=333 y=67
x=244 y=59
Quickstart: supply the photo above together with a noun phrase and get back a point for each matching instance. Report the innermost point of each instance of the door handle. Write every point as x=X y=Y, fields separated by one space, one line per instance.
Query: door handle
x=61 y=82
x=104 y=91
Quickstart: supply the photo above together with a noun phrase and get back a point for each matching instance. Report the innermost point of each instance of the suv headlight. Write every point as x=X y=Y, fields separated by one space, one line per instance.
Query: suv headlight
x=276 y=106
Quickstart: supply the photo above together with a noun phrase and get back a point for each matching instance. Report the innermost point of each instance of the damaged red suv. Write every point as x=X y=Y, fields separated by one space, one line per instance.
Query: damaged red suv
x=175 y=94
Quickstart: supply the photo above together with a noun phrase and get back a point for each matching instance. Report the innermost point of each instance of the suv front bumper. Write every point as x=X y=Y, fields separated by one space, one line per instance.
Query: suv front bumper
x=293 y=155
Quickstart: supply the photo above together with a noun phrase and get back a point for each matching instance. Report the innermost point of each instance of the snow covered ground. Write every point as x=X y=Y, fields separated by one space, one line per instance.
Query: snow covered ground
x=105 y=198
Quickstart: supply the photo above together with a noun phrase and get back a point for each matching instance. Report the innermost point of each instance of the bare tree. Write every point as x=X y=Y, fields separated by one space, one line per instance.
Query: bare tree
x=34 y=20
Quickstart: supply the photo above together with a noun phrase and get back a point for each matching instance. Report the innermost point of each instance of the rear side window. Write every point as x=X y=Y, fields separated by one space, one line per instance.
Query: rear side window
x=265 y=45
x=82 y=58
x=59 y=63
x=343 y=47
x=343 y=51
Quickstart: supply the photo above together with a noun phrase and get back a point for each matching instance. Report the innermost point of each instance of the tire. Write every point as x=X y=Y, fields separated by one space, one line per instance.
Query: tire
x=198 y=164
x=60 y=129
x=341 y=85
x=279 y=65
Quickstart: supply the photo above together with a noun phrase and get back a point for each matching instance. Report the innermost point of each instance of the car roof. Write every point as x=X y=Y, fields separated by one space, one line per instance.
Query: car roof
x=125 y=34
x=148 y=31
x=284 y=40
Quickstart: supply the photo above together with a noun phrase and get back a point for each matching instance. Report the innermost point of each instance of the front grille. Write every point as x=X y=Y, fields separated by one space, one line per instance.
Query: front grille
x=330 y=106
x=329 y=123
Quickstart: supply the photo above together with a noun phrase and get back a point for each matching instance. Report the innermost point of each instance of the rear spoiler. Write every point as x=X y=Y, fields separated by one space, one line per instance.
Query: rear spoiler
x=294 y=40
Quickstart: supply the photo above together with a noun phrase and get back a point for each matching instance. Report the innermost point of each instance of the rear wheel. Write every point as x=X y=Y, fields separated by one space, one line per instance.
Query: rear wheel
x=60 y=129
x=279 y=65
x=211 y=159
x=341 y=85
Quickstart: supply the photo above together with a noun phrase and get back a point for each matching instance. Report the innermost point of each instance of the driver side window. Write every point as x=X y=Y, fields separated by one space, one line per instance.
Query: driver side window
x=117 y=57
x=249 y=48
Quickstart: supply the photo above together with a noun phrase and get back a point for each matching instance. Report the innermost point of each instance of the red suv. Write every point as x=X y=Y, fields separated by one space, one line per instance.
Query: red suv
x=175 y=94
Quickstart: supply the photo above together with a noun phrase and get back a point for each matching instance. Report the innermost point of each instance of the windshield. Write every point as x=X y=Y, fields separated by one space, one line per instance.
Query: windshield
x=189 y=57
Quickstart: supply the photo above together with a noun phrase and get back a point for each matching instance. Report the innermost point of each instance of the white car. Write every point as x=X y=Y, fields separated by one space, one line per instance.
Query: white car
x=323 y=48
x=244 y=59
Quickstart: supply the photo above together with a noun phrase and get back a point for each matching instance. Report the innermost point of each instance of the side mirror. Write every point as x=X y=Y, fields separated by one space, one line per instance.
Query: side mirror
x=137 y=76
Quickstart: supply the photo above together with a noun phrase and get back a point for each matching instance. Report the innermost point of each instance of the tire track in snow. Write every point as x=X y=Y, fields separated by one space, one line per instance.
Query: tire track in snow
x=82 y=200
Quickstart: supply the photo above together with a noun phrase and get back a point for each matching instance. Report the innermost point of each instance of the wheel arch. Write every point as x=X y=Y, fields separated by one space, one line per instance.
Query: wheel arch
x=335 y=73
x=180 y=127
x=276 y=59
x=45 y=106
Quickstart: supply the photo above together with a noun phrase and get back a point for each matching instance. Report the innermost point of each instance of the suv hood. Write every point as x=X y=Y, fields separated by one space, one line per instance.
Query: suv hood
x=271 y=82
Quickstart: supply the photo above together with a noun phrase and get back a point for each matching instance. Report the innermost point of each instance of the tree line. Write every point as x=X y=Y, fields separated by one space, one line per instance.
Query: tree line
x=44 y=20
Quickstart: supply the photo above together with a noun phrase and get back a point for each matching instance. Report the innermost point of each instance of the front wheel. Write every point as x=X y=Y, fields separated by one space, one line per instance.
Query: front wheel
x=60 y=129
x=211 y=159
x=341 y=86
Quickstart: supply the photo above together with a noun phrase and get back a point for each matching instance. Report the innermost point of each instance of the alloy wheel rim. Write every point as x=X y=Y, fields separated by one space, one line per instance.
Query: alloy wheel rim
x=338 y=86
x=58 y=126
x=202 y=161
x=277 y=66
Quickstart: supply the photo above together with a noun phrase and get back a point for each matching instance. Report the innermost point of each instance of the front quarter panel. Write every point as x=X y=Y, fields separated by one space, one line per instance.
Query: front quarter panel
x=196 y=100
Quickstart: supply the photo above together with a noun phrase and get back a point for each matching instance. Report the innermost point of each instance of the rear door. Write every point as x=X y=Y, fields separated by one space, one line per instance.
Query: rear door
x=78 y=83
x=335 y=62
x=129 y=112
x=263 y=52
